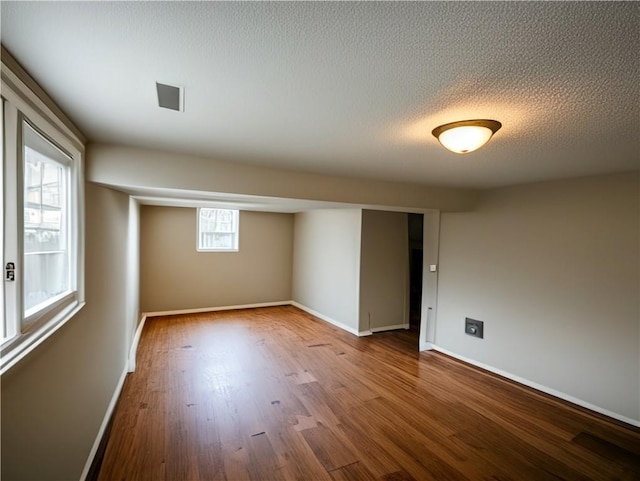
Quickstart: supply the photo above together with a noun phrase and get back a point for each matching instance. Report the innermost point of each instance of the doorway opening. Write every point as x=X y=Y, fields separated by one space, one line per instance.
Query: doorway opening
x=416 y=253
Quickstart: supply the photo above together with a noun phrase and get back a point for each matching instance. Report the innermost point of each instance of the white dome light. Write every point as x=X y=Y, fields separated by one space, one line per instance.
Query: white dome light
x=467 y=135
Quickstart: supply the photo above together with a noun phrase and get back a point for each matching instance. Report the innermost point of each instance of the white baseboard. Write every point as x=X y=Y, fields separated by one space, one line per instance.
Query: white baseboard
x=389 y=328
x=423 y=347
x=426 y=346
x=219 y=308
x=326 y=318
x=134 y=344
x=263 y=304
x=539 y=387
x=103 y=426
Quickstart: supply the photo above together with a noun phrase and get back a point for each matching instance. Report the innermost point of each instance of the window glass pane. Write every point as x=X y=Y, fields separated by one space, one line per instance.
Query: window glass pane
x=218 y=229
x=46 y=243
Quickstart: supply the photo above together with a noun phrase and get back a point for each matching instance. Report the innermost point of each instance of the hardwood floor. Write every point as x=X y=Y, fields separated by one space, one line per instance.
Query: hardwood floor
x=275 y=394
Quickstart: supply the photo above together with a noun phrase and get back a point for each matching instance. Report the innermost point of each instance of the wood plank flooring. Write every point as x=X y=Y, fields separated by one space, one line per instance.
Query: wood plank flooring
x=276 y=394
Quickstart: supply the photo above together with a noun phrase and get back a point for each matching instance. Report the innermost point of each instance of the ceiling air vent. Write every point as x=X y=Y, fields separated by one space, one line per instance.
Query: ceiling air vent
x=170 y=97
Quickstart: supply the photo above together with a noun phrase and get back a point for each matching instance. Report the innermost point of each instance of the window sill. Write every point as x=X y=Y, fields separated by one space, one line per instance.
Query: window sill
x=218 y=250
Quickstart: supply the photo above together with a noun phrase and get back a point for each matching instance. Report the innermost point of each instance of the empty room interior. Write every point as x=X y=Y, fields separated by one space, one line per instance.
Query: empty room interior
x=255 y=241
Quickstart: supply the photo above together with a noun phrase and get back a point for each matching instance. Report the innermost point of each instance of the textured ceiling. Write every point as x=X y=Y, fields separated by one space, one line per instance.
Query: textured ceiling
x=349 y=88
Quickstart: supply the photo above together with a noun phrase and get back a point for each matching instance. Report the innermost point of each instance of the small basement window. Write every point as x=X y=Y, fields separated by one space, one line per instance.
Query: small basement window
x=218 y=230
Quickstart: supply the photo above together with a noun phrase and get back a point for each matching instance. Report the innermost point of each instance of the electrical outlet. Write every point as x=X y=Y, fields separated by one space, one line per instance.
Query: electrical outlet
x=474 y=328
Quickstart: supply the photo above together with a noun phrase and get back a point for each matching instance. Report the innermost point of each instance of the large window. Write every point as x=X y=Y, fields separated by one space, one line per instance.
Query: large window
x=41 y=222
x=217 y=230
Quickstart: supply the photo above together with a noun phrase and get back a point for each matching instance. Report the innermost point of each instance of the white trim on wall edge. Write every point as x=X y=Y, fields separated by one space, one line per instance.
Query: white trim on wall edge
x=253 y=306
x=131 y=365
x=389 y=328
x=134 y=344
x=426 y=346
x=328 y=319
x=103 y=426
x=219 y=308
x=423 y=347
x=539 y=387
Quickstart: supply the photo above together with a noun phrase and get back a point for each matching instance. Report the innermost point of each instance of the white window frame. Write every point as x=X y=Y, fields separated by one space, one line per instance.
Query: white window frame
x=234 y=248
x=24 y=334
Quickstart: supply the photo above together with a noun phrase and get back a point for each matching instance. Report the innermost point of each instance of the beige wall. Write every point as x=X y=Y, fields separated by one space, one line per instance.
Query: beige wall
x=175 y=276
x=384 y=270
x=326 y=263
x=54 y=400
x=552 y=269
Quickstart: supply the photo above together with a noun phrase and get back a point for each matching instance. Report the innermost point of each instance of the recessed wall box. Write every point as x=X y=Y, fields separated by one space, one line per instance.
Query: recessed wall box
x=474 y=328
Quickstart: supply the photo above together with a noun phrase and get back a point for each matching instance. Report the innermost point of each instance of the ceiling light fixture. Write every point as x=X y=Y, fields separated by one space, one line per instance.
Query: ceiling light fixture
x=466 y=135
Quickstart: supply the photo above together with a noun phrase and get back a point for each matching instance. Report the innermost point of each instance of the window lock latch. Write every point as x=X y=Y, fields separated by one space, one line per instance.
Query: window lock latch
x=10 y=272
